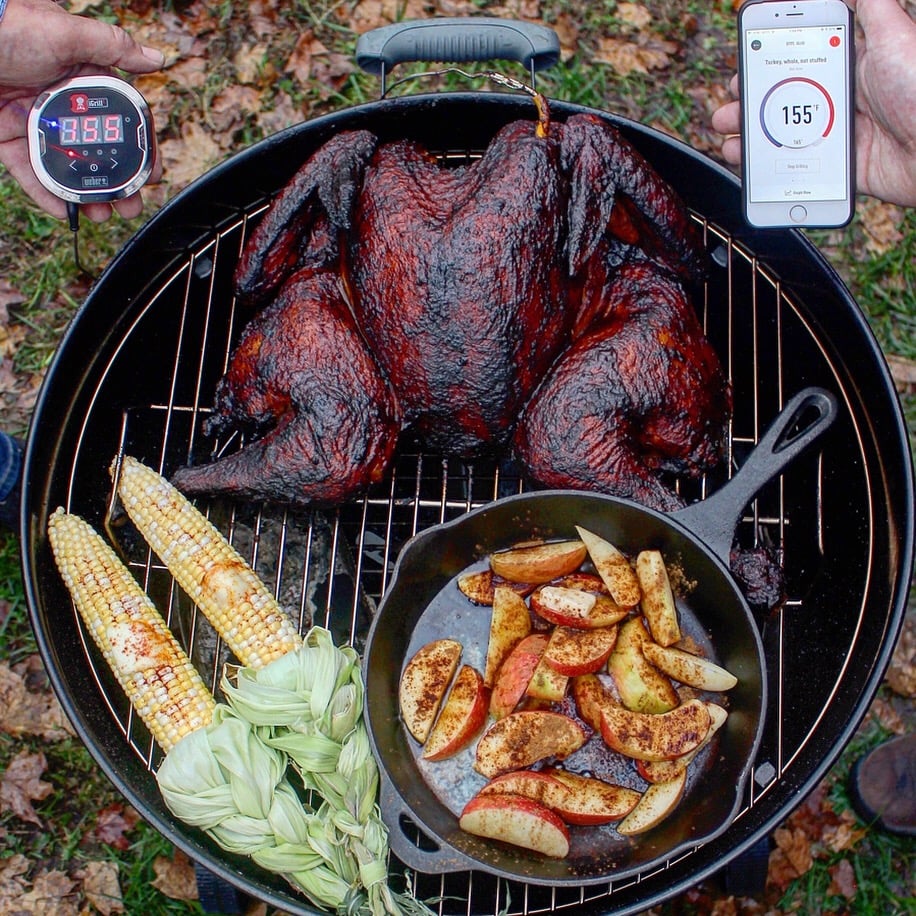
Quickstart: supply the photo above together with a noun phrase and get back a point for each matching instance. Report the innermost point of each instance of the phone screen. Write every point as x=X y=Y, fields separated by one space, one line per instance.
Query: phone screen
x=796 y=97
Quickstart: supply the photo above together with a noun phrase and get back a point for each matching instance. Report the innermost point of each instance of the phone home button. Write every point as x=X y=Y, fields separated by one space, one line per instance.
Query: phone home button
x=798 y=213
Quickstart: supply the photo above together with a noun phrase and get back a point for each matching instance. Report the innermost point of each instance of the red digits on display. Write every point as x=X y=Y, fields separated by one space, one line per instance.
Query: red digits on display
x=69 y=131
x=112 y=129
x=91 y=129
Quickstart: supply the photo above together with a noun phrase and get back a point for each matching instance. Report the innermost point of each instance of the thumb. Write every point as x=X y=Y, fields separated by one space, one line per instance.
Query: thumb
x=102 y=44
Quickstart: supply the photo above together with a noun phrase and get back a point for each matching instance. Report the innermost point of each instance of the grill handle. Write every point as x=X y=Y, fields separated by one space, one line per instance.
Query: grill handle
x=431 y=858
x=454 y=39
x=806 y=416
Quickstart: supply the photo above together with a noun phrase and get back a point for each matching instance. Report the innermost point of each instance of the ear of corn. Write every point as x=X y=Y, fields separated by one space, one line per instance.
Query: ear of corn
x=152 y=668
x=207 y=567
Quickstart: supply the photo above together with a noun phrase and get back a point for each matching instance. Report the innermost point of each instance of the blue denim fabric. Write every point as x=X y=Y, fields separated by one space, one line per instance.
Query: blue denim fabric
x=10 y=463
x=2 y=8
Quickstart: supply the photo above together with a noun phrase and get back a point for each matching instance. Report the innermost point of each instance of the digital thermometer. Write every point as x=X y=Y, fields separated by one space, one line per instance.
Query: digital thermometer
x=91 y=139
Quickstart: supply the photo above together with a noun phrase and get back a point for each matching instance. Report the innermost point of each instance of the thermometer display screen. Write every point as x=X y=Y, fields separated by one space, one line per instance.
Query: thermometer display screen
x=91 y=139
x=75 y=131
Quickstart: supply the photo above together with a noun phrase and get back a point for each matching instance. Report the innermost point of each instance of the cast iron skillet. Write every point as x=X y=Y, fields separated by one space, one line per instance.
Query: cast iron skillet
x=423 y=603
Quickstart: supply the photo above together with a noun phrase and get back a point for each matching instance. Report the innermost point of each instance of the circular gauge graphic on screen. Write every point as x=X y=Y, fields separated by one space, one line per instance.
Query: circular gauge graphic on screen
x=797 y=112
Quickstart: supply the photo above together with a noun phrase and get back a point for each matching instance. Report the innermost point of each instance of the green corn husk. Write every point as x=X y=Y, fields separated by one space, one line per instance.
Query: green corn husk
x=231 y=779
x=308 y=705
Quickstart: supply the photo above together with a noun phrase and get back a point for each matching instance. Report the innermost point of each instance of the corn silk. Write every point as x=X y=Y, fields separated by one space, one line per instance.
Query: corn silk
x=285 y=775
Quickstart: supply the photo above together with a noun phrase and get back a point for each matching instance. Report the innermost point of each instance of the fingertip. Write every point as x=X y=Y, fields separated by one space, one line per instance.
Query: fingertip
x=731 y=150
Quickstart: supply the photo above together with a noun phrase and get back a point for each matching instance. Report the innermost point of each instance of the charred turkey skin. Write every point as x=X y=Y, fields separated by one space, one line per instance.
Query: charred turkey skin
x=535 y=300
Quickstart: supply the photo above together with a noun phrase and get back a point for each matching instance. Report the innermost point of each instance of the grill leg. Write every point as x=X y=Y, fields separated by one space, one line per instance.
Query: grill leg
x=218 y=895
x=746 y=874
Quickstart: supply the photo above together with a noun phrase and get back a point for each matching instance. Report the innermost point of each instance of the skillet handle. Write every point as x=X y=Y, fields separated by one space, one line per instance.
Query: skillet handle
x=473 y=38
x=436 y=859
x=798 y=424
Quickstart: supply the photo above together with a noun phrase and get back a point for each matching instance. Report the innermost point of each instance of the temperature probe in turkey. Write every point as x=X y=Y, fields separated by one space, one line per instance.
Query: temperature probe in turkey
x=91 y=140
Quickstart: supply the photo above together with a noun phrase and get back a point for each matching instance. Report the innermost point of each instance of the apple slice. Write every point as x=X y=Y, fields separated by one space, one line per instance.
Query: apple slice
x=523 y=738
x=515 y=673
x=666 y=770
x=692 y=670
x=516 y=820
x=462 y=716
x=592 y=801
x=575 y=607
x=547 y=683
x=644 y=736
x=480 y=586
x=590 y=696
x=510 y=623
x=586 y=581
x=572 y=652
x=641 y=686
x=424 y=682
x=538 y=562
x=537 y=785
x=613 y=567
x=658 y=604
x=657 y=802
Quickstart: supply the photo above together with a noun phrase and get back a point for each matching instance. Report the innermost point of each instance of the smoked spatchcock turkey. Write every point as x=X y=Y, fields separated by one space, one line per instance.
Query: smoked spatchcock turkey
x=533 y=303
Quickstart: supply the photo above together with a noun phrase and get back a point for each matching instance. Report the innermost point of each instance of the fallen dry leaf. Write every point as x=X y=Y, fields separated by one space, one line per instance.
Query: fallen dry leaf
x=626 y=57
x=30 y=712
x=51 y=894
x=230 y=109
x=299 y=63
x=249 y=62
x=113 y=822
x=903 y=371
x=373 y=14
x=567 y=29
x=888 y=716
x=634 y=15
x=901 y=673
x=794 y=844
x=284 y=113
x=21 y=784
x=189 y=73
x=845 y=835
x=843 y=880
x=881 y=224
x=9 y=295
x=529 y=10
x=189 y=156
x=12 y=883
x=101 y=887
x=175 y=877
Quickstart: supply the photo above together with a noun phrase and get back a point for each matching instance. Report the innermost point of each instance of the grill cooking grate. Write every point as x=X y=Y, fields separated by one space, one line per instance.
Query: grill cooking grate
x=331 y=568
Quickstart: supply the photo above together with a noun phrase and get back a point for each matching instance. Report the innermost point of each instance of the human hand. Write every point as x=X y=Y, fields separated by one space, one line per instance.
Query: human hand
x=885 y=104
x=41 y=44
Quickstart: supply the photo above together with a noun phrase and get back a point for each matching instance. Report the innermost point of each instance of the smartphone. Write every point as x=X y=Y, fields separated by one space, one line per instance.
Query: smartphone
x=796 y=72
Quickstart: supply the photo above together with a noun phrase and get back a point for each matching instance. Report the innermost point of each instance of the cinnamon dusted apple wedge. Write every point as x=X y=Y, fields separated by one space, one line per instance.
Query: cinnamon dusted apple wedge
x=666 y=770
x=658 y=605
x=572 y=652
x=657 y=802
x=523 y=738
x=641 y=686
x=644 y=736
x=510 y=623
x=592 y=801
x=693 y=670
x=424 y=682
x=613 y=567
